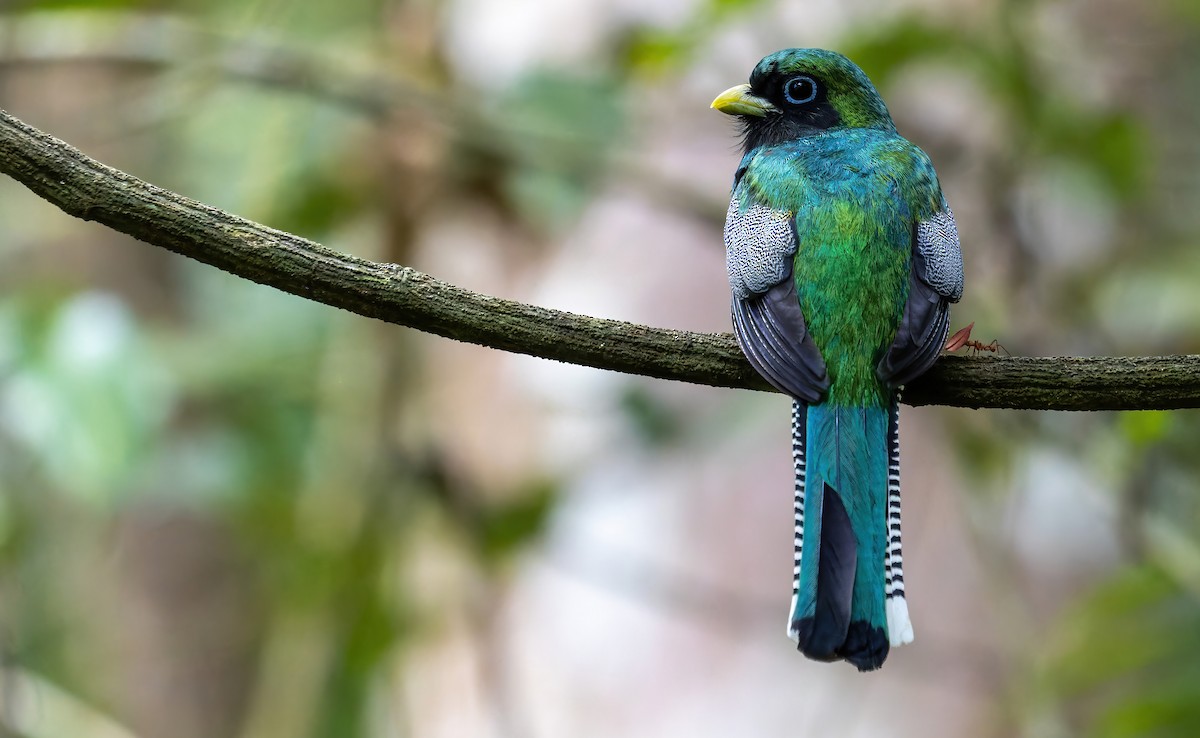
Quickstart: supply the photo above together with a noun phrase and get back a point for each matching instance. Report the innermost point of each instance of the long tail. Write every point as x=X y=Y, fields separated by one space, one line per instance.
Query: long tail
x=848 y=592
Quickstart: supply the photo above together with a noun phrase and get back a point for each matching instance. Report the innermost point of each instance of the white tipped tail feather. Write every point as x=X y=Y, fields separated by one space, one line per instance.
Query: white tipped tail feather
x=799 y=420
x=900 y=630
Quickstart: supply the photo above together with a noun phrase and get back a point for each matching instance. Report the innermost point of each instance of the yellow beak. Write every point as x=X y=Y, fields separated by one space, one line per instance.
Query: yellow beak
x=740 y=101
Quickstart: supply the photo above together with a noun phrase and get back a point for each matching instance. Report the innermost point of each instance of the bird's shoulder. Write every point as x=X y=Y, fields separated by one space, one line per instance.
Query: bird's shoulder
x=855 y=163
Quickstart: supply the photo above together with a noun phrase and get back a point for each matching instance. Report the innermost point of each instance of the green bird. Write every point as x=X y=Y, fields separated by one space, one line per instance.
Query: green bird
x=843 y=259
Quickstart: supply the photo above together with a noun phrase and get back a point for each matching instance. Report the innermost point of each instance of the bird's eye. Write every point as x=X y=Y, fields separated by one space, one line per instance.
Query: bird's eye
x=800 y=90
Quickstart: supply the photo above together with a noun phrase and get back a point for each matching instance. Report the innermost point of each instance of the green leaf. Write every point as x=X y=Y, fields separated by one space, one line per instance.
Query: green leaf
x=883 y=51
x=1146 y=427
x=1129 y=658
x=508 y=527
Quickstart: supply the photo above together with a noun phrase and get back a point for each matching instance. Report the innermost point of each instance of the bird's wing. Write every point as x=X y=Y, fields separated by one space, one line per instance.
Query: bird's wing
x=935 y=282
x=760 y=245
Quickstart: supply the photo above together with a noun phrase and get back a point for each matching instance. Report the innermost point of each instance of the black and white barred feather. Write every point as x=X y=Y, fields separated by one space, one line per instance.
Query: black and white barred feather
x=799 y=426
x=900 y=629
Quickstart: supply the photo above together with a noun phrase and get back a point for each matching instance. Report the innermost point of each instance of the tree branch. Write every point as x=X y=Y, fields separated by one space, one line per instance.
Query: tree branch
x=87 y=189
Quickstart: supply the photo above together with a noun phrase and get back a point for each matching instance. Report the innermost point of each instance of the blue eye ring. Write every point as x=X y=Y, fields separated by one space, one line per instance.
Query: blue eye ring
x=800 y=90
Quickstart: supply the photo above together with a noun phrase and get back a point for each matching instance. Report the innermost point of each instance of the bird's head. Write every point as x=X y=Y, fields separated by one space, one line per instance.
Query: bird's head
x=800 y=92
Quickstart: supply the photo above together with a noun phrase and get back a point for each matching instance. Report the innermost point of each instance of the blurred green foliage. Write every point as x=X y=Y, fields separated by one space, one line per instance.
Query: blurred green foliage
x=1126 y=658
x=279 y=425
x=559 y=130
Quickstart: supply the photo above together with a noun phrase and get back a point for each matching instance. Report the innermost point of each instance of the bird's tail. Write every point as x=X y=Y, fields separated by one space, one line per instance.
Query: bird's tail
x=848 y=592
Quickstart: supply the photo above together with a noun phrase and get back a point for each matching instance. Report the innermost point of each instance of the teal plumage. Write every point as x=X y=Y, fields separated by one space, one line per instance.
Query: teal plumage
x=843 y=258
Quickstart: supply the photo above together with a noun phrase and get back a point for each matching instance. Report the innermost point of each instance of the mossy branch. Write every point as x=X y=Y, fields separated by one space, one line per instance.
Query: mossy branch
x=87 y=189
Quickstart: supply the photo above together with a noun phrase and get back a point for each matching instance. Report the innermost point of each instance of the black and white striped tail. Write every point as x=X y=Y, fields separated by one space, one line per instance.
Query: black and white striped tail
x=799 y=429
x=900 y=629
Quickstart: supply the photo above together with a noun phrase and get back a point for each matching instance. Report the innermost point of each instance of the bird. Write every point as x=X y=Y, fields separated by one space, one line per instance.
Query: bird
x=843 y=258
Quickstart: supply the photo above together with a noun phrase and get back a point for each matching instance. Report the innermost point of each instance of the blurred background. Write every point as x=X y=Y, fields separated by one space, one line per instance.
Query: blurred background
x=225 y=511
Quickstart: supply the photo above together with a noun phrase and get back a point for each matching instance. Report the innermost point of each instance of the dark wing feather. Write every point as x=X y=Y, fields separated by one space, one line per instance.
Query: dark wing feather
x=922 y=334
x=770 y=329
x=935 y=282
